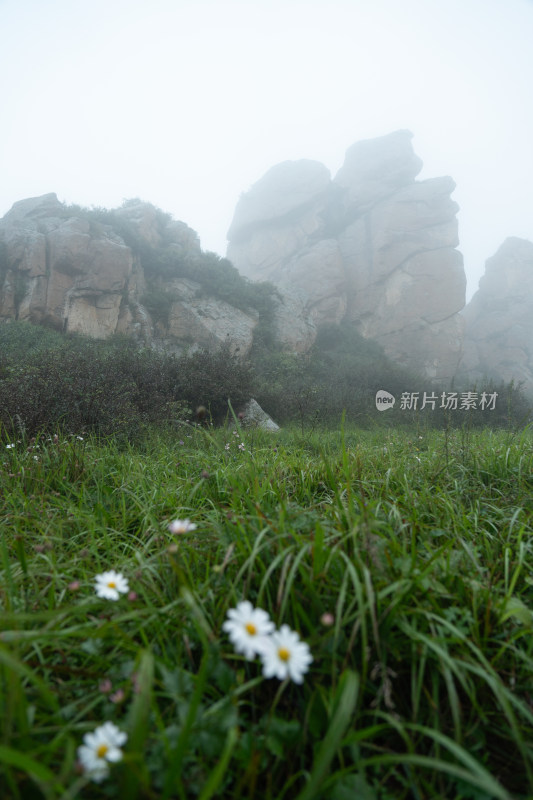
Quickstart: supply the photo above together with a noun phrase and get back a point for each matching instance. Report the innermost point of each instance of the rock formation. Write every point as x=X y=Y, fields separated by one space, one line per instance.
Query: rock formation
x=499 y=318
x=60 y=267
x=372 y=245
x=253 y=416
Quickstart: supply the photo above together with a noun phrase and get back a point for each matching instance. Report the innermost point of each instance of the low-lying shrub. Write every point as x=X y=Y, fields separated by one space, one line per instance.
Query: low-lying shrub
x=108 y=387
x=343 y=372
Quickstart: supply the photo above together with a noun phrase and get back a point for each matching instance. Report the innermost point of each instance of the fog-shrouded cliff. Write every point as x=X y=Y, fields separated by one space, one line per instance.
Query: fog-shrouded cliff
x=372 y=246
x=498 y=337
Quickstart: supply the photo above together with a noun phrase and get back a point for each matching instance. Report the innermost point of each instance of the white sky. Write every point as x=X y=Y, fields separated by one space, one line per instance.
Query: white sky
x=186 y=103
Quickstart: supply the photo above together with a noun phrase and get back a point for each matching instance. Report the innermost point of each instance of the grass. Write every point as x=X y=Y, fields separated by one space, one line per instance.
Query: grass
x=402 y=558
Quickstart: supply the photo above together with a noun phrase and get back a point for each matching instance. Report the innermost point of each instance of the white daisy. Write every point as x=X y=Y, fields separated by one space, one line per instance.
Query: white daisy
x=248 y=628
x=111 y=585
x=100 y=748
x=181 y=526
x=285 y=656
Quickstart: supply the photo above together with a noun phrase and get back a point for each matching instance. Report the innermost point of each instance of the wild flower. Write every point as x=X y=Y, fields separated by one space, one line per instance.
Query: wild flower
x=110 y=585
x=181 y=526
x=285 y=656
x=100 y=748
x=248 y=628
x=118 y=696
x=9 y=446
x=241 y=446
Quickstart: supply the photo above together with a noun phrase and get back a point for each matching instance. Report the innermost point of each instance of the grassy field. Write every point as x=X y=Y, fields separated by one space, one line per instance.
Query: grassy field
x=402 y=559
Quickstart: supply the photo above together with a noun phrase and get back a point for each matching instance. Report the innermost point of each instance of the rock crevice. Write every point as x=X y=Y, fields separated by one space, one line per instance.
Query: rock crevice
x=372 y=246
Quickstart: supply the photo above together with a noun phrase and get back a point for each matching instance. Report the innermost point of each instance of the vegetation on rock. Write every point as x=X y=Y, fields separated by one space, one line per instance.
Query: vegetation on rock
x=164 y=261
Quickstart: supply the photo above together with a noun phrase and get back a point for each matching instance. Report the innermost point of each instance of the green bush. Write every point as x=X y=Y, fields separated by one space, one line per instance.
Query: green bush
x=158 y=302
x=49 y=381
x=211 y=378
x=344 y=371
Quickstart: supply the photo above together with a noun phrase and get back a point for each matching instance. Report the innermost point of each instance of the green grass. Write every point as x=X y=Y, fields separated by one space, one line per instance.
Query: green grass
x=417 y=546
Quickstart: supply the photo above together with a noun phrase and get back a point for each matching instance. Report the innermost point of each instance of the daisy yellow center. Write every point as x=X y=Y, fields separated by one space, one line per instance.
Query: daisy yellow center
x=284 y=654
x=112 y=584
x=250 y=627
x=102 y=750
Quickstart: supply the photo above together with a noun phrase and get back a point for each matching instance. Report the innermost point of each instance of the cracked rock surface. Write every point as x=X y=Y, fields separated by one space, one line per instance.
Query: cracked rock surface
x=372 y=245
x=60 y=268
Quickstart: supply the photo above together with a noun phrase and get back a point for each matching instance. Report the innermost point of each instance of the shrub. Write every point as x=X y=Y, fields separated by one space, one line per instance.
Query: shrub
x=344 y=371
x=158 y=302
x=211 y=379
x=50 y=381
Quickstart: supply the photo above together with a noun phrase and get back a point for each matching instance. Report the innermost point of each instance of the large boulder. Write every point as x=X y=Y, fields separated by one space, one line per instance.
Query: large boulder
x=284 y=190
x=83 y=273
x=206 y=322
x=406 y=281
x=279 y=217
x=59 y=270
x=292 y=323
x=318 y=267
x=373 y=246
x=253 y=416
x=376 y=168
x=499 y=318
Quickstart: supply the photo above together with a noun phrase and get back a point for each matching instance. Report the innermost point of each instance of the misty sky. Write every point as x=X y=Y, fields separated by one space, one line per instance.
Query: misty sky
x=186 y=103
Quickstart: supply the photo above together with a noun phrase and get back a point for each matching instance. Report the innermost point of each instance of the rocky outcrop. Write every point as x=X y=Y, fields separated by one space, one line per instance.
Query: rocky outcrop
x=205 y=322
x=57 y=271
x=499 y=318
x=281 y=194
x=372 y=245
x=62 y=267
x=253 y=416
x=375 y=168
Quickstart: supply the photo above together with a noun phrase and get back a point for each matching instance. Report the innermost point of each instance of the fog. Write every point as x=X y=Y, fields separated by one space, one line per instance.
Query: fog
x=186 y=103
